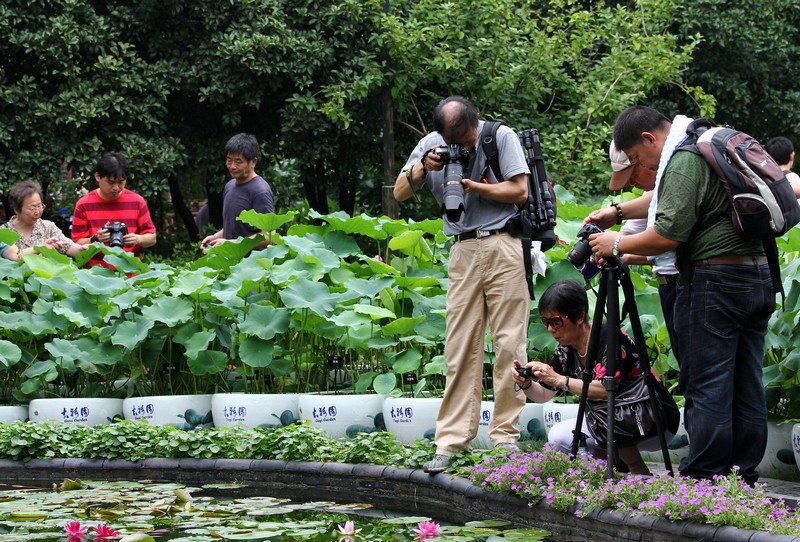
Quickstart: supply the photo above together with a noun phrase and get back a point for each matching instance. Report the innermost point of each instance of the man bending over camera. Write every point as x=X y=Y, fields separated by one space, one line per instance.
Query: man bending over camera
x=487 y=282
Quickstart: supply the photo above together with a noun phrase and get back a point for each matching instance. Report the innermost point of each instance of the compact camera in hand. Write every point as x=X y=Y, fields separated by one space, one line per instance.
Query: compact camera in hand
x=118 y=231
x=524 y=372
x=581 y=250
x=455 y=158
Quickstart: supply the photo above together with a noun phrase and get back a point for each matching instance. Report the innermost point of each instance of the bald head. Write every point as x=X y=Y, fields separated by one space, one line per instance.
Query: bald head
x=455 y=118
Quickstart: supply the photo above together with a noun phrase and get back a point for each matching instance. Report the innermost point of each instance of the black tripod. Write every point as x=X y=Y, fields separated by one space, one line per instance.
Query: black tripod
x=614 y=274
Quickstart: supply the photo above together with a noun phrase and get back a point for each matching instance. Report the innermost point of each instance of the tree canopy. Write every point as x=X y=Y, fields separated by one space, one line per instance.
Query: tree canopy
x=168 y=82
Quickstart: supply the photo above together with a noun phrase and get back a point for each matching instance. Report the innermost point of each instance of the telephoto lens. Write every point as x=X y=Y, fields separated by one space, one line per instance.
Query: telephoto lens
x=453 y=190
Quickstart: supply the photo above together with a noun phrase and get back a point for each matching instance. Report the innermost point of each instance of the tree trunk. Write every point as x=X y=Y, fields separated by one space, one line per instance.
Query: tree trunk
x=214 y=202
x=180 y=208
x=315 y=191
x=389 y=205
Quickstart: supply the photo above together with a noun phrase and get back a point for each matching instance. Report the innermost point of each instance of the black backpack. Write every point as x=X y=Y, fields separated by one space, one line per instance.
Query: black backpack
x=763 y=204
x=536 y=219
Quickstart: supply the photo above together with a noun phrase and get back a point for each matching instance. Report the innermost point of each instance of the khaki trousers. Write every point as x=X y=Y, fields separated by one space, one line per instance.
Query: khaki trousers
x=487 y=287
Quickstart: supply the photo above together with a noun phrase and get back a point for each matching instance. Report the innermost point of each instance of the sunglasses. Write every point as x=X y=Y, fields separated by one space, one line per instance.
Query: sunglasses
x=554 y=322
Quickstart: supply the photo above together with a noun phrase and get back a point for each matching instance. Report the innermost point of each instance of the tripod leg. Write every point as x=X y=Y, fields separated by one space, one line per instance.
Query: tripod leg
x=638 y=336
x=591 y=359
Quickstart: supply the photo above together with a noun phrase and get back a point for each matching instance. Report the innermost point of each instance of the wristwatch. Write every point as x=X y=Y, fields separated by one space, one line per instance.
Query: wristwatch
x=565 y=387
x=615 y=247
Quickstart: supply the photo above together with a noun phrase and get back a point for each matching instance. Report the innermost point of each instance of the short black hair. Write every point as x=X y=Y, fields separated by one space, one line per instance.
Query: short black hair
x=632 y=122
x=780 y=148
x=244 y=144
x=21 y=191
x=567 y=297
x=113 y=165
x=458 y=121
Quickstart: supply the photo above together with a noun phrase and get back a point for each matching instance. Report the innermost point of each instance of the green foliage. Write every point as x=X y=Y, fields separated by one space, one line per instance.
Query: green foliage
x=377 y=448
x=297 y=442
x=565 y=68
x=745 y=59
x=29 y=440
x=78 y=79
x=781 y=375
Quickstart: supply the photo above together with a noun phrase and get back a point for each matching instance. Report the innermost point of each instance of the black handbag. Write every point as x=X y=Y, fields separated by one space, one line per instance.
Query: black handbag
x=634 y=418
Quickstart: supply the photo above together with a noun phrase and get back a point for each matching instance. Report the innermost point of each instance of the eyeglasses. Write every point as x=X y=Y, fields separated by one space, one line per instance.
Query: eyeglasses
x=554 y=321
x=635 y=162
x=34 y=208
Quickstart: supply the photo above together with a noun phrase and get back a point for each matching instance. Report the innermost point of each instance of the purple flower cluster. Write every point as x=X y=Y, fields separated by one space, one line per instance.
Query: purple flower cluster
x=555 y=478
x=548 y=475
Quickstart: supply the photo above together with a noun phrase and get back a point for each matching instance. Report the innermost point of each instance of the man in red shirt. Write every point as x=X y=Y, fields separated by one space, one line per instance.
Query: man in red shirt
x=112 y=203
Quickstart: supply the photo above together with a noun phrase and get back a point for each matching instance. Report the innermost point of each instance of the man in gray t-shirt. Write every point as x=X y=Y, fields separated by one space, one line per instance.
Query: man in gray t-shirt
x=246 y=190
x=486 y=274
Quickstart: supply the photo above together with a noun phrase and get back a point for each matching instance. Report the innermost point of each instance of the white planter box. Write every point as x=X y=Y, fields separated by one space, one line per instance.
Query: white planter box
x=531 y=424
x=93 y=411
x=779 y=459
x=678 y=448
x=13 y=413
x=411 y=418
x=188 y=412
x=342 y=415
x=254 y=410
x=554 y=413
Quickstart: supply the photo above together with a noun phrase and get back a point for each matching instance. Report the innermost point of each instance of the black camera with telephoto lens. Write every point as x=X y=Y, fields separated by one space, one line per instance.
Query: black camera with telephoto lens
x=581 y=250
x=455 y=158
x=118 y=230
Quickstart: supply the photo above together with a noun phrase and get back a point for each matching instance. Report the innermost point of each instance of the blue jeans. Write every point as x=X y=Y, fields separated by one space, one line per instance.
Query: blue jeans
x=721 y=316
x=667 y=293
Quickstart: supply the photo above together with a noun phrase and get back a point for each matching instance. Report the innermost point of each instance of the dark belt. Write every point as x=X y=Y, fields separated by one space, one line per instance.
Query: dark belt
x=732 y=259
x=666 y=279
x=467 y=235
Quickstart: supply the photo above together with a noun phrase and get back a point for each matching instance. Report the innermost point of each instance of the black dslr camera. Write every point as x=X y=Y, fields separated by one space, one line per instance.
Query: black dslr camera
x=455 y=158
x=581 y=250
x=118 y=230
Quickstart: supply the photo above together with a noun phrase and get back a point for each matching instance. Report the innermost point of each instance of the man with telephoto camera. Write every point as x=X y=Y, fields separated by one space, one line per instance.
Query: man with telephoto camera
x=487 y=283
x=112 y=214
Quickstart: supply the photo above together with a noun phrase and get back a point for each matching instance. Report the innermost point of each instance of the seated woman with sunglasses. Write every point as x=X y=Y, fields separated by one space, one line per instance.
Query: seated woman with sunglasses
x=564 y=311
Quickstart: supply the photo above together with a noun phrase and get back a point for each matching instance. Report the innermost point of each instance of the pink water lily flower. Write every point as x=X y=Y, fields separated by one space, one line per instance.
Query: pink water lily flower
x=103 y=533
x=426 y=530
x=75 y=532
x=348 y=531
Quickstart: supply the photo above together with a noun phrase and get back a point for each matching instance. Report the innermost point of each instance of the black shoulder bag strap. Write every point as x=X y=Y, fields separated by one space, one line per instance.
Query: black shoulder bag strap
x=489 y=146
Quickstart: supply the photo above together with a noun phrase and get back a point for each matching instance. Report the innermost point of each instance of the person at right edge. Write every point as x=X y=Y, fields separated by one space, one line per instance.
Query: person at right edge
x=782 y=151
x=723 y=304
x=487 y=282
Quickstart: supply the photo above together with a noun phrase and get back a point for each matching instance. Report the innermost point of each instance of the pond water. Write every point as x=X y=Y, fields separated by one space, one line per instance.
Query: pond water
x=214 y=513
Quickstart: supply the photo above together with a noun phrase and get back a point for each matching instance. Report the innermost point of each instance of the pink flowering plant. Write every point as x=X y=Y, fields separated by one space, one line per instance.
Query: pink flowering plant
x=554 y=478
x=78 y=533
x=348 y=531
x=75 y=531
x=427 y=530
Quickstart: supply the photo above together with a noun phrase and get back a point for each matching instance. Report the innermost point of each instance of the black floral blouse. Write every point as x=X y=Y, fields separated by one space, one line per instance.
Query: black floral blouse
x=565 y=359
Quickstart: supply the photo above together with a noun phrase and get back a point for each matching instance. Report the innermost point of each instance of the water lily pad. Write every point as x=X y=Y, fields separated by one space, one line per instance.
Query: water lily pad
x=28 y=515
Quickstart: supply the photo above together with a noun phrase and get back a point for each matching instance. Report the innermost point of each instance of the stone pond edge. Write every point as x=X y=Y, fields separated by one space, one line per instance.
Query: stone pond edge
x=410 y=491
